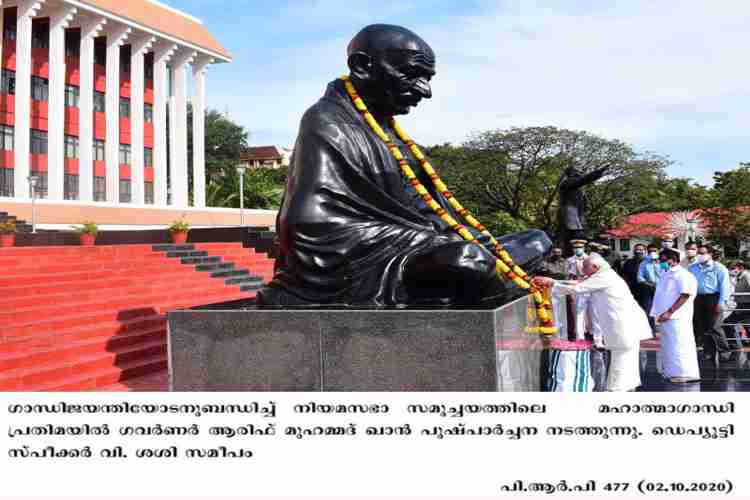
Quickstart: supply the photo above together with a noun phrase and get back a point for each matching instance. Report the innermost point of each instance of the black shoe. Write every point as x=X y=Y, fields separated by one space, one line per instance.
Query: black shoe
x=708 y=357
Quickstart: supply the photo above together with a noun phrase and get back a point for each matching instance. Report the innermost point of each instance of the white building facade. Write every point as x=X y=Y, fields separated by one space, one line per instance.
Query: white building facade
x=94 y=103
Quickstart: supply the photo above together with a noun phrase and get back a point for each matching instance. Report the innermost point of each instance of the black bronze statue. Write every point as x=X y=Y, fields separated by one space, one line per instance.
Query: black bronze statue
x=573 y=202
x=351 y=230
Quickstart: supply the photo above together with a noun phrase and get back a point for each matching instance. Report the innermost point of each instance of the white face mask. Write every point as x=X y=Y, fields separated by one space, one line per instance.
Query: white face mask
x=666 y=244
x=704 y=258
x=692 y=253
x=654 y=255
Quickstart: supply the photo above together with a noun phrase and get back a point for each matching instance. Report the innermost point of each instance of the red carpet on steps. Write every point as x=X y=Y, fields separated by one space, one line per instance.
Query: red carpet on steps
x=93 y=318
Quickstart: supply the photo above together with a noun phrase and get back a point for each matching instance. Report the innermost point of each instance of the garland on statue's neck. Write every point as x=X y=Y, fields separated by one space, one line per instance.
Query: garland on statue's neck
x=505 y=266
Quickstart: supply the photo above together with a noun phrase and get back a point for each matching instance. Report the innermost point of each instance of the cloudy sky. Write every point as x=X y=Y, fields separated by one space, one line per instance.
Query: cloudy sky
x=670 y=77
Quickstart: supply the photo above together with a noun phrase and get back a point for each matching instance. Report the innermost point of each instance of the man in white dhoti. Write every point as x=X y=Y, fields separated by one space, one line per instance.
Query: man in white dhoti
x=619 y=319
x=673 y=311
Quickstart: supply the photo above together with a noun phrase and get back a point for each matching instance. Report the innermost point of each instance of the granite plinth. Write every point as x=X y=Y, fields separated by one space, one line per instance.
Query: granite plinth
x=261 y=349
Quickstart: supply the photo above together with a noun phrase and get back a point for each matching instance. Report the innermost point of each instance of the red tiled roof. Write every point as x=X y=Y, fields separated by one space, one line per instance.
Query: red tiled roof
x=261 y=153
x=164 y=20
x=648 y=224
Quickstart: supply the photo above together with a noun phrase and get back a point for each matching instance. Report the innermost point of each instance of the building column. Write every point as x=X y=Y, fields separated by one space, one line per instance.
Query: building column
x=178 y=129
x=138 y=48
x=116 y=37
x=89 y=30
x=199 y=131
x=58 y=21
x=162 y=54
x=27 y=9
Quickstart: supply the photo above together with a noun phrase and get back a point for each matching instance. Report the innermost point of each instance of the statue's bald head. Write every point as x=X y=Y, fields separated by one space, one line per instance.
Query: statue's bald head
x=378 y=38
x=391 y=67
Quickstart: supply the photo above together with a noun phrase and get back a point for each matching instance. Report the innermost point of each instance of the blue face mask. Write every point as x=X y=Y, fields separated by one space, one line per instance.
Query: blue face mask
x=664 y=266
x=579 y=252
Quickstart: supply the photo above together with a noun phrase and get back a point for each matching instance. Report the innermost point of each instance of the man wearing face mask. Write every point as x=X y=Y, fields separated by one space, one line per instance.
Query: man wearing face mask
x=691 y=255
x=649 y=272
x=673 y=311
x=578 y=317
x=714 y=291
x=555 y=266
x=620 y=321
x=629 y=270
x=741 y=315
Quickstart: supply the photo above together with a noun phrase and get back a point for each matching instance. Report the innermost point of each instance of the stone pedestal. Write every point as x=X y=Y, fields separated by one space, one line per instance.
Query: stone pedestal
x=260 y=349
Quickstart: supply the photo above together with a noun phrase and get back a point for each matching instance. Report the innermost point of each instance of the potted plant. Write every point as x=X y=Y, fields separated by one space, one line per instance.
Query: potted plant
x=7 y=234
x=179 y=231
x=87 y=231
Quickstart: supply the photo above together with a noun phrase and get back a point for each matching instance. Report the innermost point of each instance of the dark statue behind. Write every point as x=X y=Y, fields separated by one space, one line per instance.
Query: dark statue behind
x=351 y=230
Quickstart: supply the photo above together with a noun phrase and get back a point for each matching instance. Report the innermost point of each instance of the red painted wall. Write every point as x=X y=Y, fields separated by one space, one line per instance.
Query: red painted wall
x=7 y=159
x=71 y=165
x=99 y=169
x=124 y=171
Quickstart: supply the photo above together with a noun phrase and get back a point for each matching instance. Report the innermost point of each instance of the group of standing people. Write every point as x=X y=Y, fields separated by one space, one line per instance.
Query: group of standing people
x=684 y=298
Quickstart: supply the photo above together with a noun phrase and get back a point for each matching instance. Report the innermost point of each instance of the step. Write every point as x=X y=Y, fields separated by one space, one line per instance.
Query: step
x=85 y=278
x=60 y=324
x=63 y=270
x=114 y=286
x=120 y=306
x=39 y=340
x=153 y=382
x=187 y=253
x=169 y=247
x=250 y=287
x=215 y=266
x=106 y=377
x=52 y=372
x=200 y=260
x=230 y=273
x=64 y=347
x=244 y=280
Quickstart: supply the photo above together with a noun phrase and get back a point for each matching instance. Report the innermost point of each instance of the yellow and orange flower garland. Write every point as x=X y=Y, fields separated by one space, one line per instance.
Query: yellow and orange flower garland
x=505 y=265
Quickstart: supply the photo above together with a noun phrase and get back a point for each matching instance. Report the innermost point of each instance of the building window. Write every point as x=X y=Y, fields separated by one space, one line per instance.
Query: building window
x=71 y=187
x=100 y=104
x=148 y=157
x=148 y=113
x=72 y=43
x=40 y=35
x=6 y=182
x=148 y=193
x=100 y=188
x=39 y=89
x=124 y=107
x=71 y=146
x=98 y=150
x=125 y=191
x=8 y=85
x=41 y=183
x=624 y=245
x=7 y=138
x=38 y=142
x=124 y=154
x=72 y=96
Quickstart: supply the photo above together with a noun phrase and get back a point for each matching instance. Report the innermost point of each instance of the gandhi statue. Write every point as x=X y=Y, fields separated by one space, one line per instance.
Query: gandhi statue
x=352 y=231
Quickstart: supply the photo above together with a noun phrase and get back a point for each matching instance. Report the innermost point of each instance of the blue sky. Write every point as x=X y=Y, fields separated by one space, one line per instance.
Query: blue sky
x=667 y=79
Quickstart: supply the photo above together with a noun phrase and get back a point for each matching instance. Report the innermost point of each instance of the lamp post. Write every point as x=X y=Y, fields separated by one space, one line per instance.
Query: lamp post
x=241 y=171
x=33 y=179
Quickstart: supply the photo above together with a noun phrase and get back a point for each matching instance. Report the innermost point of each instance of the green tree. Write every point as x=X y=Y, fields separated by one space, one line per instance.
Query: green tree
x=729 y=212
x=517 y=172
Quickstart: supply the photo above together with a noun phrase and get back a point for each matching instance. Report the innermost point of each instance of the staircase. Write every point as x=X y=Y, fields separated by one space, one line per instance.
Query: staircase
x=94 y=318
x=21 y=225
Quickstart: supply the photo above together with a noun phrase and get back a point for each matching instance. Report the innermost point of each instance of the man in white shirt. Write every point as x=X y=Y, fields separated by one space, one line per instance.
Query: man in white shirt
x=578 y=316
x=620 y=321
x=673 y=311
